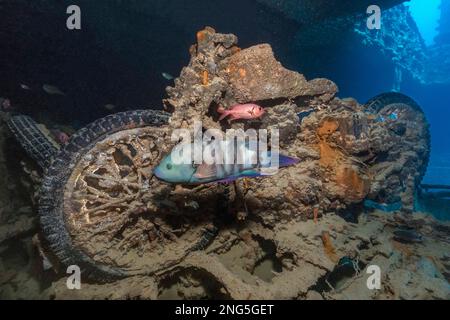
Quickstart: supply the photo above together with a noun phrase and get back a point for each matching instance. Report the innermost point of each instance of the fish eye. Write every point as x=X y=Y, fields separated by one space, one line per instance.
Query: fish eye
x=169 y=166
x=194 y=165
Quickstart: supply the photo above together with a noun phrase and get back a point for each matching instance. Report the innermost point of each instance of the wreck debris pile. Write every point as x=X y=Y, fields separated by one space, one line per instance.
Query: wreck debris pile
x=18 y=185
x=292 y=263
x=101 y=207
x=346 y=154
x=287 y=239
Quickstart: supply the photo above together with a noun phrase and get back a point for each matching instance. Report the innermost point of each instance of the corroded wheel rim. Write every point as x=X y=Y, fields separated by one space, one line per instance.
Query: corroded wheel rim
x=103 y=209
x=409 y=111
x=118 y=212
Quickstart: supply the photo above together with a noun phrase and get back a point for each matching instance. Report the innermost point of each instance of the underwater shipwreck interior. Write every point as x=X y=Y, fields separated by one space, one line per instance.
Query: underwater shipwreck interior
x=87 y=151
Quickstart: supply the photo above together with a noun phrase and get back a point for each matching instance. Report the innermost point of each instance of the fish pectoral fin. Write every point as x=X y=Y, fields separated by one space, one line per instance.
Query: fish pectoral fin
x=205 y=171
x=224 y=114
x=251 y=173
x=226 y=180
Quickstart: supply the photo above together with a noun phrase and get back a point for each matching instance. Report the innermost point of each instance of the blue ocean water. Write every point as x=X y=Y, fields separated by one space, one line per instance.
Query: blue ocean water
x=363 y=72
x=371 y=73
x=426 y=13
x=434 y=99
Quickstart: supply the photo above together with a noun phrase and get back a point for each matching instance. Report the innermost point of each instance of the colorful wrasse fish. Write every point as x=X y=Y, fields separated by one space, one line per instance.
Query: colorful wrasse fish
x=246 y=111
x=249 y=165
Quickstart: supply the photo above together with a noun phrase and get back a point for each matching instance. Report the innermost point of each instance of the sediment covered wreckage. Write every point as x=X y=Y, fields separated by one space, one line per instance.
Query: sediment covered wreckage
x=101 y=207
x=349 y=151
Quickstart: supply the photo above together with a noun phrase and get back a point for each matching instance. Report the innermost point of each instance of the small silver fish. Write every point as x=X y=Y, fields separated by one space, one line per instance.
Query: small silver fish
x=167 y=76
x=24 y=87
x=109 y=107
x=52 y=90
x=5 y=104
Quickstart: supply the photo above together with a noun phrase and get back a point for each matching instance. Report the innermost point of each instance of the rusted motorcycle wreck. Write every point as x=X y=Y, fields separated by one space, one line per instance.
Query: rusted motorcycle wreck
x=101 y=207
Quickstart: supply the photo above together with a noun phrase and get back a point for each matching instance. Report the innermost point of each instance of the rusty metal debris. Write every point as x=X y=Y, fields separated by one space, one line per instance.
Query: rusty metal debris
x=102 y=208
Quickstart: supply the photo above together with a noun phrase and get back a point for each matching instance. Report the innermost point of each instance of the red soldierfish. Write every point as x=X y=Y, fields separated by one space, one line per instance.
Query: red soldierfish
x=60 y=136
x=5 y=104
x=246 y=111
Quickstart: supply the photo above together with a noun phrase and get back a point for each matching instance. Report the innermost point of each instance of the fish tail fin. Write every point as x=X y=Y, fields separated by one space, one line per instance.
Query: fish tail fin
x=223 y=116
x=268 y=160
x=223 y=113
x=287 y=161
x=221 y=109
x=226 y=180
x=243 y=174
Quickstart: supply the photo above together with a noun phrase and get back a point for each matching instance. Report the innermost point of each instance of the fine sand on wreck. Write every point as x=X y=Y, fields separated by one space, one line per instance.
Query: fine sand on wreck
x=248 y=261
